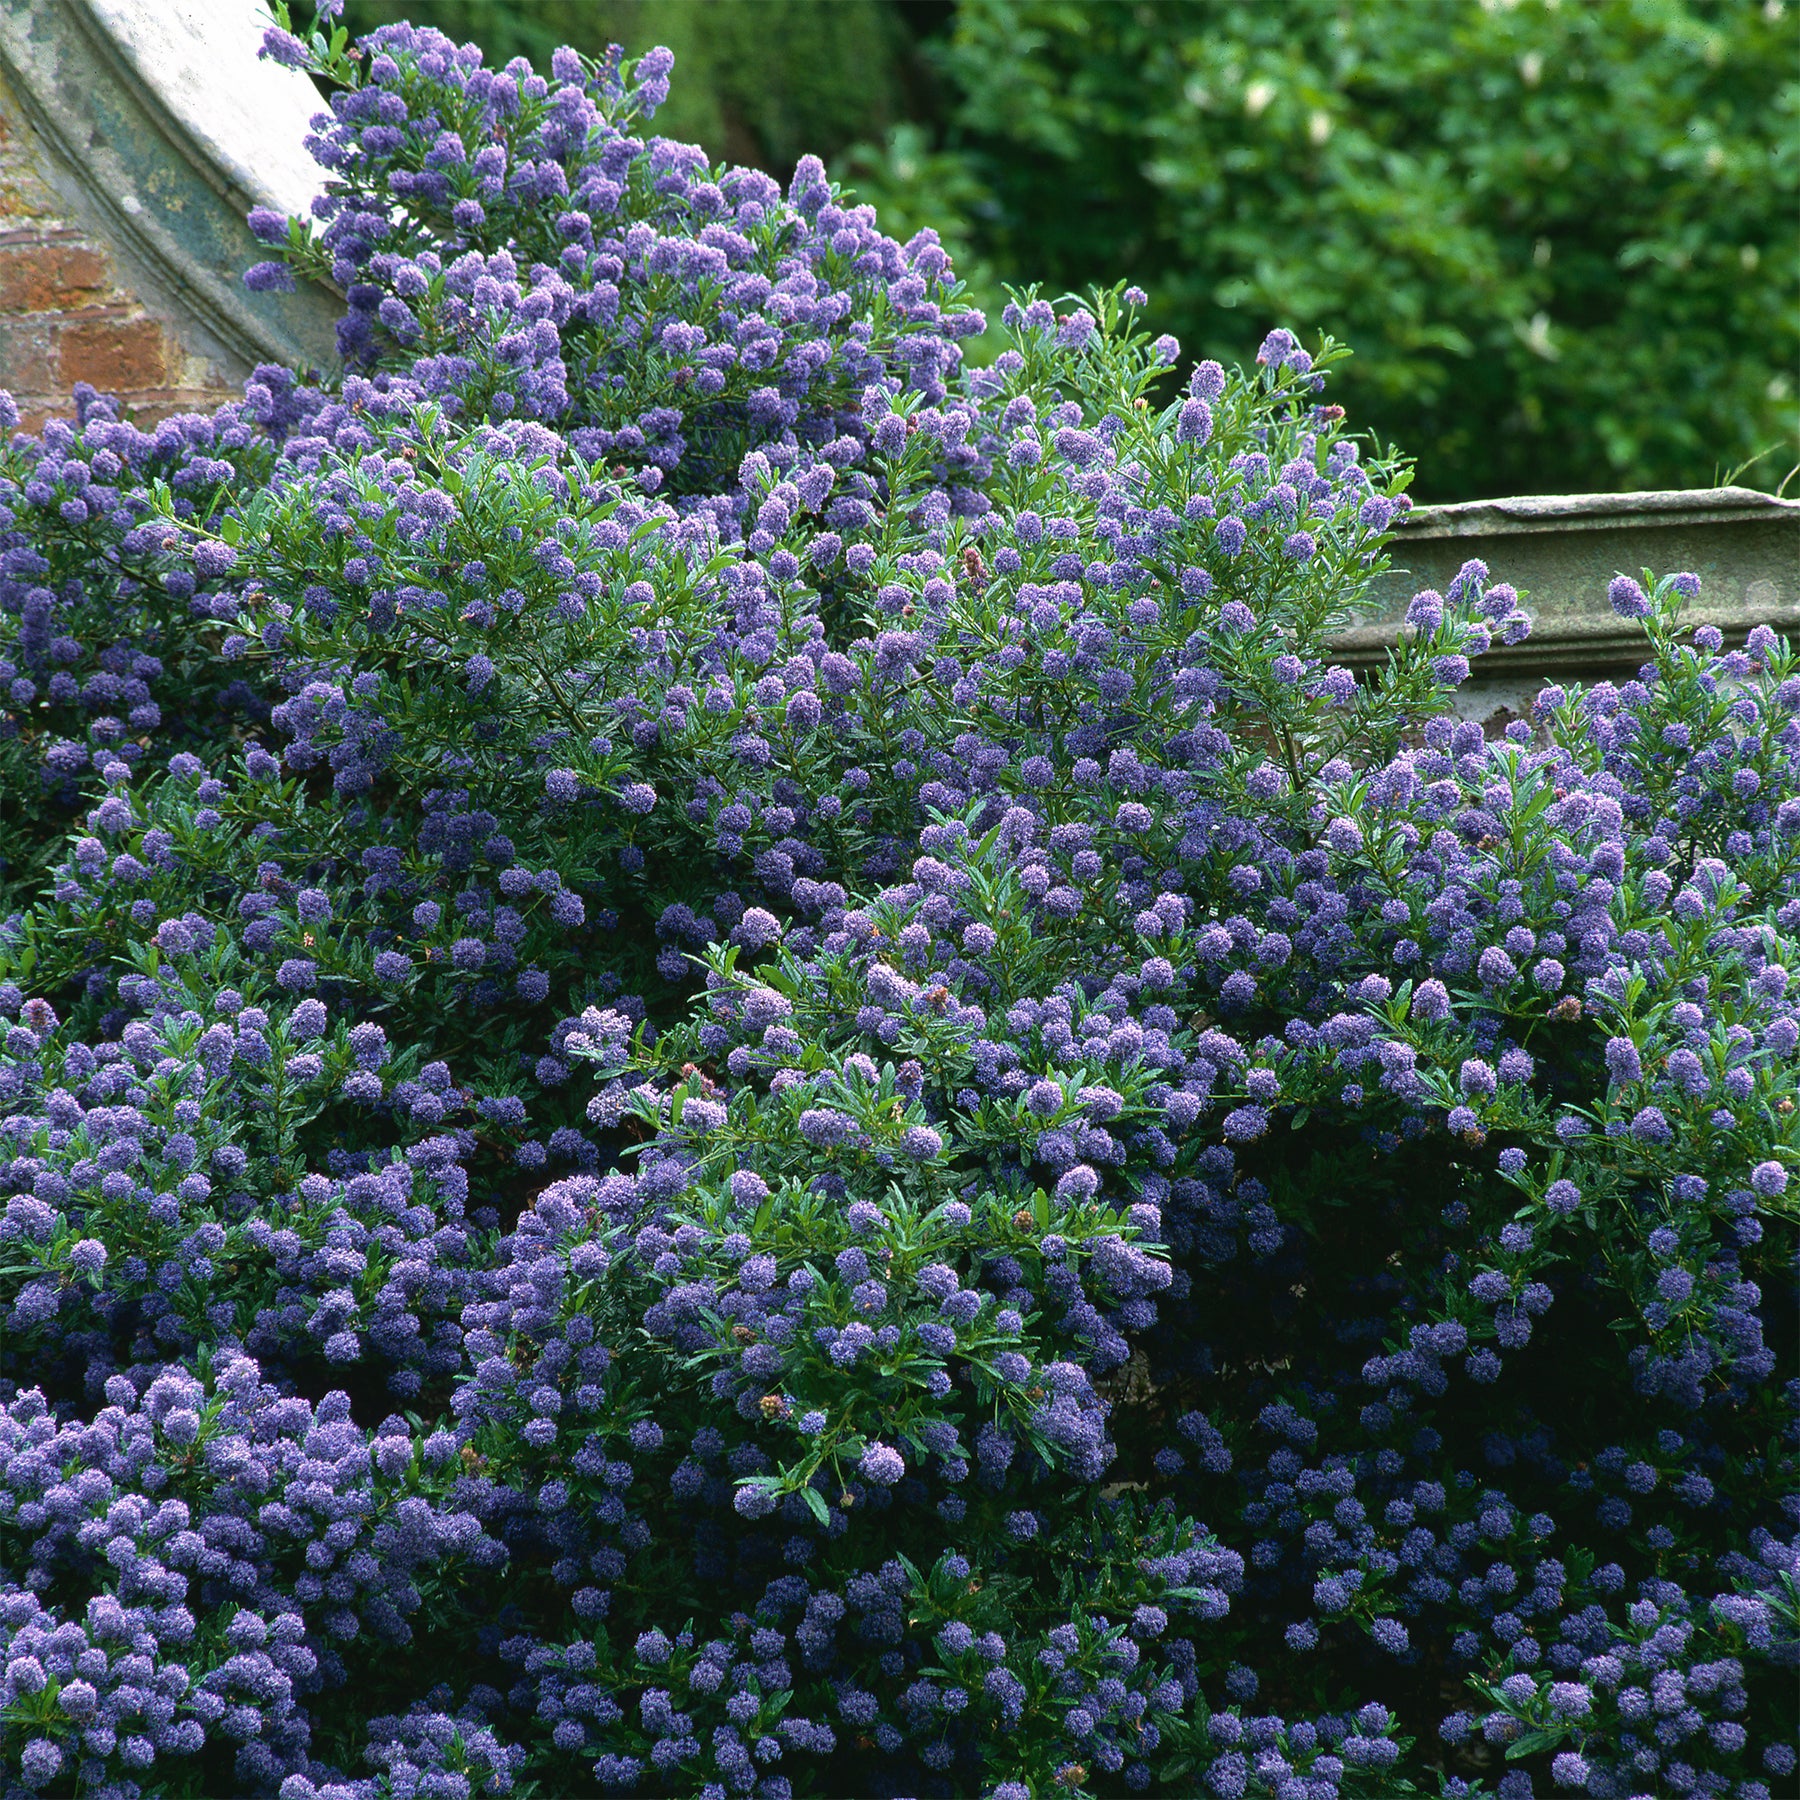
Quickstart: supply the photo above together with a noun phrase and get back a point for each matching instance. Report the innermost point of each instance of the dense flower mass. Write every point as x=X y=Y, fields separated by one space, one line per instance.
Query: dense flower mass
x=730 y=1069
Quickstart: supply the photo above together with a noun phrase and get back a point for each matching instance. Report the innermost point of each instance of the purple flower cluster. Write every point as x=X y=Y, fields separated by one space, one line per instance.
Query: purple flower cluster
x=184 y=1561
x=977 y=1172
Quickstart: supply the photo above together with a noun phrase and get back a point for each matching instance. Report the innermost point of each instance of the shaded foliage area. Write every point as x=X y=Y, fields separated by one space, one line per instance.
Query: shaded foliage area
x=762 y=83
x=1561 y=239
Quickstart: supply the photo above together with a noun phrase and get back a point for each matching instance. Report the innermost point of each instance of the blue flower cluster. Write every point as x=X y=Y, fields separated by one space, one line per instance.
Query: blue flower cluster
x=730 y=1068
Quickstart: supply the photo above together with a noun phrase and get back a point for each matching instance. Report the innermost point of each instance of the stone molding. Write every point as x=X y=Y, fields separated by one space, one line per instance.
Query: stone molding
x=155 y=128
x=1561 y=550
x=240 y=118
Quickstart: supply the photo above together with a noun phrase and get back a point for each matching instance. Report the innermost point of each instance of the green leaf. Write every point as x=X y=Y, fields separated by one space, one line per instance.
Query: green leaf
x=1535 y=1741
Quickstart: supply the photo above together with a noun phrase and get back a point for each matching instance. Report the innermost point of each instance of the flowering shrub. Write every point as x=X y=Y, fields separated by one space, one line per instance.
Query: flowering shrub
x=1547 y=229
x=731 y=1069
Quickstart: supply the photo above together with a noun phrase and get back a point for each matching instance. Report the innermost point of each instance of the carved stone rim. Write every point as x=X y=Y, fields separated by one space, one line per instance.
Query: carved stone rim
x=1597 y=639
x=246 y=137
x=140 y=169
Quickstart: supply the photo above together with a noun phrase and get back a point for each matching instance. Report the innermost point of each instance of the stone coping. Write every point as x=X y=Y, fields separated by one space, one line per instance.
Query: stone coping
x=242 y=119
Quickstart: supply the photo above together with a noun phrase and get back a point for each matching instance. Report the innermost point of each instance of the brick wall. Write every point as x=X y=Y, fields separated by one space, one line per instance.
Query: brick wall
x=70 y=309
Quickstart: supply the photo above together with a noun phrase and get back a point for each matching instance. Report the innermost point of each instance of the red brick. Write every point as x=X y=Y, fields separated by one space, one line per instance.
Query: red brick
x=51 y=276
x=147 y=406
x=116 y=355
x=36 y=411
x=28 y=356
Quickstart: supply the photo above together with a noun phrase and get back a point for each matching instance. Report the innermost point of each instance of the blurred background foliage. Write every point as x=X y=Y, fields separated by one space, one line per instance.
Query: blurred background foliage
x=1563 y=236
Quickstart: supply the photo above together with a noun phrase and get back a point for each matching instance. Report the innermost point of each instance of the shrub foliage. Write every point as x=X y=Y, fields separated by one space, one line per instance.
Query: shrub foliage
x=730 y=1069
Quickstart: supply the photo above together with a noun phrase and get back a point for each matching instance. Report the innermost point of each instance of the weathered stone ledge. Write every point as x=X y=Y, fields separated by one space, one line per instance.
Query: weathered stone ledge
x=1561 y=550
